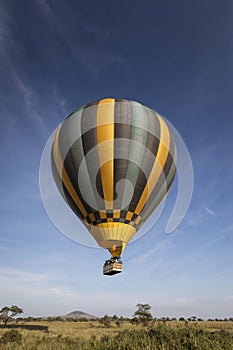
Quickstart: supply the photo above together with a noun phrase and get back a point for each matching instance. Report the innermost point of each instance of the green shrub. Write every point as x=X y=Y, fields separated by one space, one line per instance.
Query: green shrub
x=12 y=336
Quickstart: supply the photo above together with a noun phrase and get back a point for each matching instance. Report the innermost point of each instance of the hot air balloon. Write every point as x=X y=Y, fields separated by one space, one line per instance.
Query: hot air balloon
x=113 y=162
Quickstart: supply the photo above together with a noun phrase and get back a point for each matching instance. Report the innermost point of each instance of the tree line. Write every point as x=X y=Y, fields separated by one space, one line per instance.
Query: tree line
x=142 y=316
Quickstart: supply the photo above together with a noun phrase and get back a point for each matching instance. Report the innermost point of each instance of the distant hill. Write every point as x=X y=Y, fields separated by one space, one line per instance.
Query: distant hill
x=79 y=314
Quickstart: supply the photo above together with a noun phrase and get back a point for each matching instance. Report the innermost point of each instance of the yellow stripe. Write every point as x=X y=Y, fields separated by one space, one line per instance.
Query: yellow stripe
x=105 y=132
x=158 y=165
x=129 y=215
x=107 y=235
x=116 y=214
x=92 y=217
x=111 y=224
x=102 y=214
x=64 y=176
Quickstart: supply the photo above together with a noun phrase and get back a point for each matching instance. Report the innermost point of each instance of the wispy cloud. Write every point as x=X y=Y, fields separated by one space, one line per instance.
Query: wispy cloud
x=94 y=62
x=63 y=293
x=93 y=58
x=227 y=229
x=183 y=301
x=59 y=103
x=46 y=10
x=84 y=23
x=38 y=294
x=13 y=278
x=29 y=101
x=196 y=217
x=32 y=286
x=20 y=275
x=34 y=196
x=4 y=27
x=158 y=247
x=3 y=248
x=208 y=211
x=16 y=75
x=7 y=41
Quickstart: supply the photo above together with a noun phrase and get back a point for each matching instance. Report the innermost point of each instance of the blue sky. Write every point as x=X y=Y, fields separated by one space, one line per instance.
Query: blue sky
x=175 y=57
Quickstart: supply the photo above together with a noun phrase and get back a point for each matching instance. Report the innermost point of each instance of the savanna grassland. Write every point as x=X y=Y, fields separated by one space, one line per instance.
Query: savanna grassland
x=93 y=335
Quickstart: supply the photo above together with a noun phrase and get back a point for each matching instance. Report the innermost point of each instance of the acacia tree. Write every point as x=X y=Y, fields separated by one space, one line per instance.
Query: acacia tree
x=106 y=321
x=143 y=314
x=6 y=313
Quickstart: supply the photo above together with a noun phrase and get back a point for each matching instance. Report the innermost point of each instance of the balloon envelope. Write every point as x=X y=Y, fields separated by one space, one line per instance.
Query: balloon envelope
x=113 y=162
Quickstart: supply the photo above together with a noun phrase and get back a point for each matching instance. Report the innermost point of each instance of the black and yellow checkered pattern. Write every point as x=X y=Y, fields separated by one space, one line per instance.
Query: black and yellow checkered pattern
x=122 y=216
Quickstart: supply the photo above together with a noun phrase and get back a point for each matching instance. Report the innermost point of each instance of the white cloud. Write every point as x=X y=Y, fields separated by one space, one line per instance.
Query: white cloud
x=228 y=228
x=94 y=61
x=208 y=211
x=13 y=275
x=36 y=293
x=183 y=301
x=158 y=247
x=29 y=101
x=39 y=295
x=35 y=196
x=62 y=292
x=196 y=217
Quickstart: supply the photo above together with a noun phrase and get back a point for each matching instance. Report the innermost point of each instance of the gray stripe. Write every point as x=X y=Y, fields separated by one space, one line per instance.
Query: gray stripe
x=71 y=139
x=156 y=198
x=148 y=160
x=136 y=153
x=122 y=129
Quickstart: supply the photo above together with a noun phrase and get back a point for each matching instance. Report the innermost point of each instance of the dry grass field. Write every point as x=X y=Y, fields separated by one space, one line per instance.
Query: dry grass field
x=92 y=335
